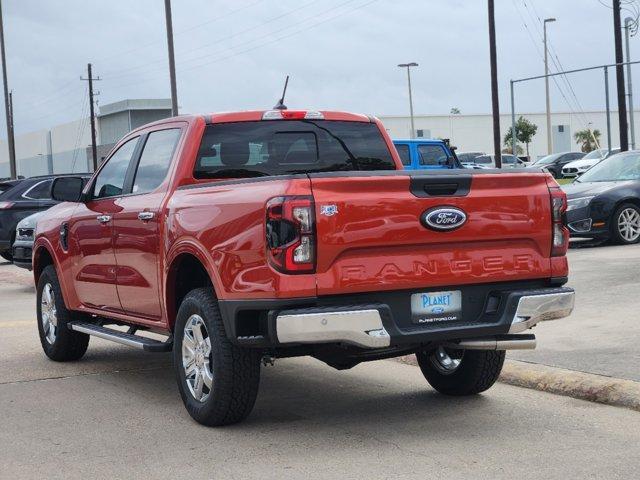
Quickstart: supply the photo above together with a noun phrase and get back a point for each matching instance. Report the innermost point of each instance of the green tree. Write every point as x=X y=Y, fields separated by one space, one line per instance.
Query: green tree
x=455 y=111
x=587 y=139
x=525 y=131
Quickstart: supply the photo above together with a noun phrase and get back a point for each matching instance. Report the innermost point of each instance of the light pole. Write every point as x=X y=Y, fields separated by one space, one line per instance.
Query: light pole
x=546 y=85
x=10 y=139
x=629 y=23
x=408 y=67
x=172 y=61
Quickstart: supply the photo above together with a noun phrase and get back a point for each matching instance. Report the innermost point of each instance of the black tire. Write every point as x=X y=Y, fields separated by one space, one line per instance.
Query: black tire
x=66 y=345
x=235 y=370
x=616 y=235
x=7 y=255
x=477 y=372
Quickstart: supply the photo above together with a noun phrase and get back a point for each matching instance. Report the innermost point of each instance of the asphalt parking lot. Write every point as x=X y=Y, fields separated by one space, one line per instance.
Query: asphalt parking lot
x=117 y=412
x=601 y=335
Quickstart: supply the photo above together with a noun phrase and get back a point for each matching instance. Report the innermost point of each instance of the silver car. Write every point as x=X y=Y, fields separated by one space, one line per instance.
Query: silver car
x=23 y=245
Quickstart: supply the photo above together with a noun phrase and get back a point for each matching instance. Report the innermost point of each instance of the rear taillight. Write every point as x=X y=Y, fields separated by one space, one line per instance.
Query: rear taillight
x=560 y=233
x=5 y=205
x=291 y=238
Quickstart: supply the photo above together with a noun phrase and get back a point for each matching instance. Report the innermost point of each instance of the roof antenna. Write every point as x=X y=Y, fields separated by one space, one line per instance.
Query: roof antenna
x=280 y=105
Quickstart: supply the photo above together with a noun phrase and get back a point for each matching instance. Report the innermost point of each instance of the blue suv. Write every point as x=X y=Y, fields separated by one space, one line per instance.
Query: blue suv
x=422 y=154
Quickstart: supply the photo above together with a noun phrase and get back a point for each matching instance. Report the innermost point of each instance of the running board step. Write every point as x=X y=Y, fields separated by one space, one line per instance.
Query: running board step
x=145 y=343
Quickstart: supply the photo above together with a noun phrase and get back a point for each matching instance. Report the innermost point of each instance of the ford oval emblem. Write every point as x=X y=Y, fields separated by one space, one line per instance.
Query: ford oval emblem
x=443 y=218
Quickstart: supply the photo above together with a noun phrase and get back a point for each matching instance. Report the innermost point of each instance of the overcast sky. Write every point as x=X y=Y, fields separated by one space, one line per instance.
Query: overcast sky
x=341 y=54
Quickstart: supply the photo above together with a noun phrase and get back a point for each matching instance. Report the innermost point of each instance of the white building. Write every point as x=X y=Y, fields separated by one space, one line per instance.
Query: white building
x=66 y=148
x=475 y=132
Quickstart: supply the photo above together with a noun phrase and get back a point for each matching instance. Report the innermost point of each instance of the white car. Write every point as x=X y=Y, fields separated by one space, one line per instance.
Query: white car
x=508 y=161
x=578 y=167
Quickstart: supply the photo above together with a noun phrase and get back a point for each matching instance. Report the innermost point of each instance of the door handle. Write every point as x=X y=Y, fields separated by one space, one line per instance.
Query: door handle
x=145 y=216
x=103 y=218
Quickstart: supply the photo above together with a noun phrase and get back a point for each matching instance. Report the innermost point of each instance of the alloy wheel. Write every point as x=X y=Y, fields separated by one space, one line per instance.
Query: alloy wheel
x=48 y=313
x=629 y=224
x=196 y=358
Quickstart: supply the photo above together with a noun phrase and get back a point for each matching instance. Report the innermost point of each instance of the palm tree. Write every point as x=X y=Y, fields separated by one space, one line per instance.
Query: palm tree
x=587 y=139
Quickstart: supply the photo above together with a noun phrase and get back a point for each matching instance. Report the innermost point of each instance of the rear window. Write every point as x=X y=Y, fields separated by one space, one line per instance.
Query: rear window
x=277 y=147
x=403 y=151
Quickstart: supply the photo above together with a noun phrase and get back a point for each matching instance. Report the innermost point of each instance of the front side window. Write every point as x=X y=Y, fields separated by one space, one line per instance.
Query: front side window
x=155 y=160
x=110 y=180
x=432 y=155
x=40 y=191
x=405 y=156
x=254 y=149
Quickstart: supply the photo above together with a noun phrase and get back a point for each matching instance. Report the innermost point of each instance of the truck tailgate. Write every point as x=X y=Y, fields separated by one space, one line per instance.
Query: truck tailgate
x=371 y=237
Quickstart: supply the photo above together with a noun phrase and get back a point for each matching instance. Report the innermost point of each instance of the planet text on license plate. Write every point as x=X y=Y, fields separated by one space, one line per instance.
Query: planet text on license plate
x=431 y=307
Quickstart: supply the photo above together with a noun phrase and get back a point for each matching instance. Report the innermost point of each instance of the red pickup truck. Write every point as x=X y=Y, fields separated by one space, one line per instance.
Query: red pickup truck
x=245 y=237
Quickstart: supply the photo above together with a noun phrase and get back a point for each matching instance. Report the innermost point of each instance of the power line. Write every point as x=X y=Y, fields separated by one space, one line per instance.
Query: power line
x=541 y=55
x=235 y=54
x=121 y=73
x=80 y=130
x=558 y=65
x=180 y=32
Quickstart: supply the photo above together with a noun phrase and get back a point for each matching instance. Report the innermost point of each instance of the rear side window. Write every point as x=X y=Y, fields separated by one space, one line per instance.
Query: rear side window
x=432 y=155
x=40 y=191
x=155 y=160
x=290 y=146
x=110 y=180
x=403 y=151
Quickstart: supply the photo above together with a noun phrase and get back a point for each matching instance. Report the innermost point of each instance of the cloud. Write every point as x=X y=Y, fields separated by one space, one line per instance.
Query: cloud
x=341 y=54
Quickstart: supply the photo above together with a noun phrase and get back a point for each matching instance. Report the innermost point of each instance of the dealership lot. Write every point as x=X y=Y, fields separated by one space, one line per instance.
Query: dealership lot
x=118 y=413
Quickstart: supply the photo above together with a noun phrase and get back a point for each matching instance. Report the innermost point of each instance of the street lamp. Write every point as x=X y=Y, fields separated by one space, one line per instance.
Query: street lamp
x=408 y=67
x=546 y=84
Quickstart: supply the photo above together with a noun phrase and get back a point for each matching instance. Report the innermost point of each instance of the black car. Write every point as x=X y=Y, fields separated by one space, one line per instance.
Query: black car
x=604 y=203
x=554 y=162
x=29 y=196
x=6 y=184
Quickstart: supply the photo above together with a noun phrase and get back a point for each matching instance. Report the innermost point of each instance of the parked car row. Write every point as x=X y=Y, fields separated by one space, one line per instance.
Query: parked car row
x=20 y=199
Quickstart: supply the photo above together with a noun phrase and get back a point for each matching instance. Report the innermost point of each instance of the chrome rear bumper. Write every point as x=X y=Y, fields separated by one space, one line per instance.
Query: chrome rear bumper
x=539 y=308
x=365 y=328
x=357 y=327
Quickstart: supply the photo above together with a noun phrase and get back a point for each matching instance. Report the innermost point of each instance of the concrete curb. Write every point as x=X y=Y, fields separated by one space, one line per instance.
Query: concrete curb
x=584 y=386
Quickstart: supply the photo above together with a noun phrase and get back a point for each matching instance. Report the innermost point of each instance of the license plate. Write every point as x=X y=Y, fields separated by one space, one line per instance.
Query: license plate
x=431 y=307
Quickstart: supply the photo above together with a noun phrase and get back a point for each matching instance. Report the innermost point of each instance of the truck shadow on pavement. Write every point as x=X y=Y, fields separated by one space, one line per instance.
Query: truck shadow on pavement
x=304 y=390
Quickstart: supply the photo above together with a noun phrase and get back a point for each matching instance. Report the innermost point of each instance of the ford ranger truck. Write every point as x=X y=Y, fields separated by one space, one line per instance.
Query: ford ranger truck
x=235 y=239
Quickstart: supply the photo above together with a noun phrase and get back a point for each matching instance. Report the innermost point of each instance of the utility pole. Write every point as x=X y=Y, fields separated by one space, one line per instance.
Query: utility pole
x=94 y=151
x=7 y=107
x=546 y=86
x=629 y=23
x=408 y=67
x=495 y=106
x=622 y=107
x=172 y=61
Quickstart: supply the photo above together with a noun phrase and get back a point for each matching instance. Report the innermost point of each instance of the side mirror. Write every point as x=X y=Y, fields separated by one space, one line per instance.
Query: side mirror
x=67 y=189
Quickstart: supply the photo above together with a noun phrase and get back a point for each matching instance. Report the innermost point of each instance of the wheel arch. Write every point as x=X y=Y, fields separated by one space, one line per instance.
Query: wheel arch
x=42 y=258
x=189 y=268
x=633 y=200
